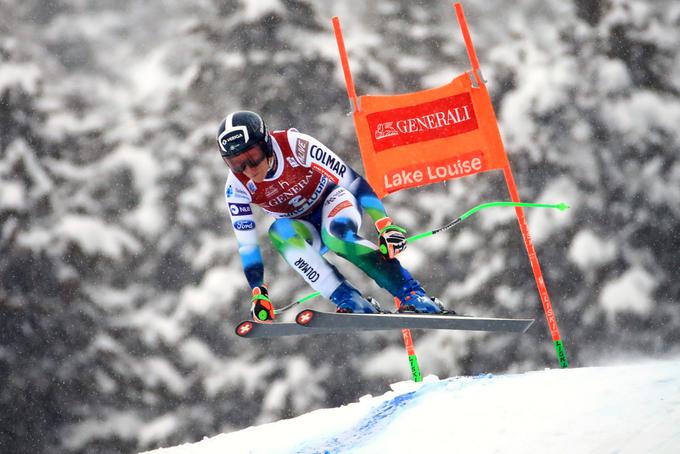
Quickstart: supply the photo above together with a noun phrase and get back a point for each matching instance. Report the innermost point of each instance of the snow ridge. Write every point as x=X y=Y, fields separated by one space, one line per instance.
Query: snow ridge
x=623 y=409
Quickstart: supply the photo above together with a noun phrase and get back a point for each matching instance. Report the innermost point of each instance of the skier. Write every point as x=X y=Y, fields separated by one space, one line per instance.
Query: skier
x=317 y=200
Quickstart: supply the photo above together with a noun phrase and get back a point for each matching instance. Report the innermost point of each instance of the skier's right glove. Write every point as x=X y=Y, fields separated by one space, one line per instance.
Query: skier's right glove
x=262 y=309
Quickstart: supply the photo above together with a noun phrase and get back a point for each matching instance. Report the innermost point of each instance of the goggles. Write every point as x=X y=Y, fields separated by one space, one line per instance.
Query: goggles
x=252 y=157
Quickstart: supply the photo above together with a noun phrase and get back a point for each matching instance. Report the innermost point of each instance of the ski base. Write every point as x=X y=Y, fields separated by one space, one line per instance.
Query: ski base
x=311 y=322
x=253 y=330
x=376 y=322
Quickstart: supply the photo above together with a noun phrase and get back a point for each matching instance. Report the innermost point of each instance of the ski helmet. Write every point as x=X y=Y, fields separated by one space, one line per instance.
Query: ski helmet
x=240 y=131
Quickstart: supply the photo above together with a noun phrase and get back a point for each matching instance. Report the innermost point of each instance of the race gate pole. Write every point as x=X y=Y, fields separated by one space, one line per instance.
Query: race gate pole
x=410 y=351
x=521 y=219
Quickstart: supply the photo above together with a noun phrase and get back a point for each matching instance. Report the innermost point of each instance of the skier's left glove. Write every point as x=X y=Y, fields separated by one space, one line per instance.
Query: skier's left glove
x=262 y=309
x=392 y=239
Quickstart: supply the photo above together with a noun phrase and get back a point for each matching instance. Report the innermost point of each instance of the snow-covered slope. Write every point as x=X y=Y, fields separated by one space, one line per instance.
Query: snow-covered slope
x=621 y=409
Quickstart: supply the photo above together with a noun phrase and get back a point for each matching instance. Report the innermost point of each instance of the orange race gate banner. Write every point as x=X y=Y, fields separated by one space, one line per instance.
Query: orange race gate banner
x=429 y=136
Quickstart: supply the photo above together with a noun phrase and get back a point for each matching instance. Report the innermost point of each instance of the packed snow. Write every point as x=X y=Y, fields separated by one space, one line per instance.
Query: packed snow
x=616 y=409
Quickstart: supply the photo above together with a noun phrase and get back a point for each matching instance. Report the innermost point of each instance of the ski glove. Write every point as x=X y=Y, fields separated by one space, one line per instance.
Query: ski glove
x=261 y=309
x=392 y=239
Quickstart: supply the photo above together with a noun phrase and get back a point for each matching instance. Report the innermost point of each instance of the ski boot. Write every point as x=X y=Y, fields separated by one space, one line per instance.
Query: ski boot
x=349 y=300
x=414 y=299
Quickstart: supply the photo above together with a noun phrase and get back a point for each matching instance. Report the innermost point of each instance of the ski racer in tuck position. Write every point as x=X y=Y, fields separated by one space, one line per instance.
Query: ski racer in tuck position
x=318 y=201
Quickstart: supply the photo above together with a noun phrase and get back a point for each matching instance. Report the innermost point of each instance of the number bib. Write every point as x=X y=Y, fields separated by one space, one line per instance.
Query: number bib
x=294 y=191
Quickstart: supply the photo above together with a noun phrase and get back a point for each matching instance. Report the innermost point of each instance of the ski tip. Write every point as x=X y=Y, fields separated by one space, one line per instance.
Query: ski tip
x=244 y=328
x=304 y=317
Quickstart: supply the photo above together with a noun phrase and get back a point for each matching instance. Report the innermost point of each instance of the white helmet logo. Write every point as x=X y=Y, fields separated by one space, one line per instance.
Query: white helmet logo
x=232 y=133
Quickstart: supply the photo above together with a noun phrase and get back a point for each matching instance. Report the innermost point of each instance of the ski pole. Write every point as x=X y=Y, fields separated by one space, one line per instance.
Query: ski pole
x=559 y=206
x=296 y=302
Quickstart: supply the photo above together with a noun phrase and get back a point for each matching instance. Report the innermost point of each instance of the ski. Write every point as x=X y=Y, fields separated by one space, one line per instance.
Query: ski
x=334 y=322
x=310 y=322
x=253 y=330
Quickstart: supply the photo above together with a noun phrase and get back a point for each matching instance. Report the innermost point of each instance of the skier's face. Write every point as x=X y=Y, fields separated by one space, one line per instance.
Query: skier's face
x=259 y=172
x=252 y=163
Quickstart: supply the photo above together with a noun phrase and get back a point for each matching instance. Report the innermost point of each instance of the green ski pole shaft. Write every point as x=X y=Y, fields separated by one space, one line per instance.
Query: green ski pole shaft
x=558 y=206
x=458 y=220
x=296 y=302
